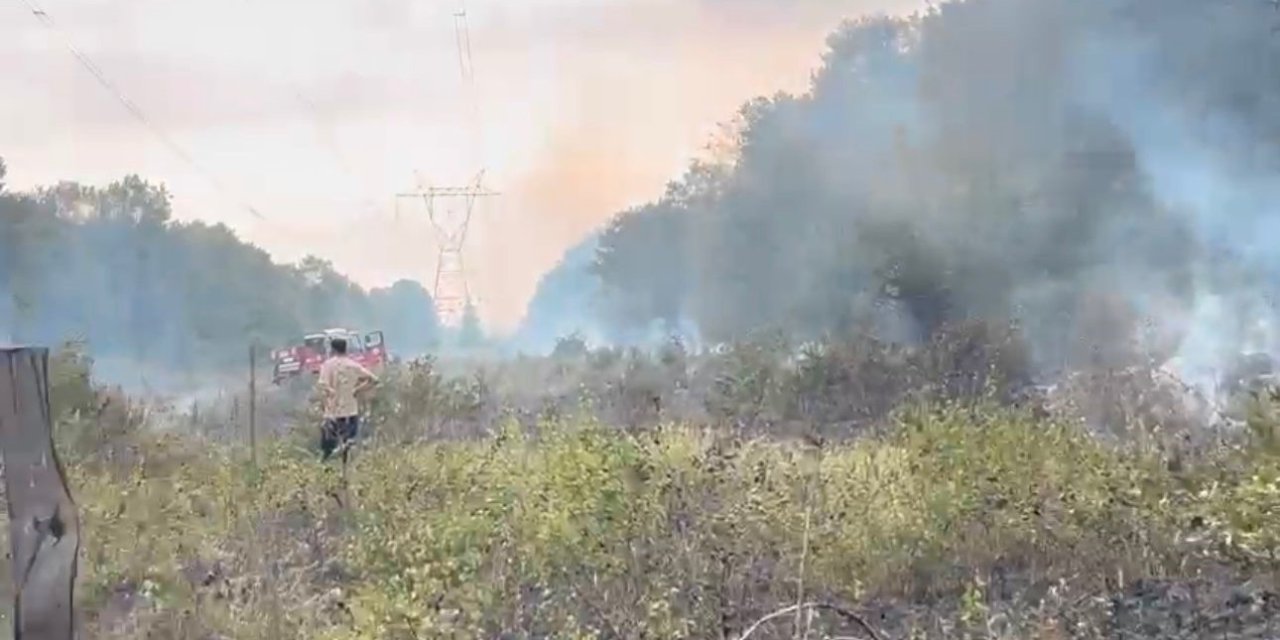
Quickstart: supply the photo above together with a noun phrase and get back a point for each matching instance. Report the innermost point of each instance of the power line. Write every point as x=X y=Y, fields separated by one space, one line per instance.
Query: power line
x=452 y=291
x=327 y=139
x=133 y=108
x=466 y=65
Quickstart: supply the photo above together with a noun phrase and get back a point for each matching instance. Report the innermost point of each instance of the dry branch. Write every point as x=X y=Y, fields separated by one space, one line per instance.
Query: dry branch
x=821 y=606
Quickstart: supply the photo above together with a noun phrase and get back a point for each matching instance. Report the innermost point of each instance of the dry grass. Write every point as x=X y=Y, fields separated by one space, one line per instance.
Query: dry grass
x=956 y=517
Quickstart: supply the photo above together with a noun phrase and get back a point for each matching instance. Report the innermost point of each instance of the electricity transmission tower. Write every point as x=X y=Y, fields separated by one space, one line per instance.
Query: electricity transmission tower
x=450 y=208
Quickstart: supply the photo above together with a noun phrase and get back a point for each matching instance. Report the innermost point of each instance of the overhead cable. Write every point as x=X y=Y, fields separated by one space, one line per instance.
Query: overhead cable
x=133 y=108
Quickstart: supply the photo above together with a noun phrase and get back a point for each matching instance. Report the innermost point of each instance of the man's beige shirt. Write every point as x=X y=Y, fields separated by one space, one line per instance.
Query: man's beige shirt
x=339 y=377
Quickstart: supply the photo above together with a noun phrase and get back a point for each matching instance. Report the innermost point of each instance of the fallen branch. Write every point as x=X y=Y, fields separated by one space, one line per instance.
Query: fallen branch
x=822 y=606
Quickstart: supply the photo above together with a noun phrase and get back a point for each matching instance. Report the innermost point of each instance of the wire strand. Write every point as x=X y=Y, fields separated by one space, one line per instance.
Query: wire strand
x=134 y=110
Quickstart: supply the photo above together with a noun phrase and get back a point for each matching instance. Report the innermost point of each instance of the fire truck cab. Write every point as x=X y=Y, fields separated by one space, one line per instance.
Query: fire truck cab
x=368 y=349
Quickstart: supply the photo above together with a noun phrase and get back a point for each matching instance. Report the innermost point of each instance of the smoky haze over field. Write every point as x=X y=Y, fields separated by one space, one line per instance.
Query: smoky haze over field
x=1103 y=173
x=317 y=115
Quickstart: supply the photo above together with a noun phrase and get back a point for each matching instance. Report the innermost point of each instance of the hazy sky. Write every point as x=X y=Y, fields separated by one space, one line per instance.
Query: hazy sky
x=318 y=112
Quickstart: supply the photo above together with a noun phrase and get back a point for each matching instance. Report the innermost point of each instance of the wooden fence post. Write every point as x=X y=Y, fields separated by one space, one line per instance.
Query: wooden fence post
x=44 y=530
x=253 y=403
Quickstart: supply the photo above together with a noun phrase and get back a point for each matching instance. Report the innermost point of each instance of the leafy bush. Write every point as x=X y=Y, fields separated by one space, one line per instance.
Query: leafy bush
x=585 y=531
x=763 y=385
x=960 y=517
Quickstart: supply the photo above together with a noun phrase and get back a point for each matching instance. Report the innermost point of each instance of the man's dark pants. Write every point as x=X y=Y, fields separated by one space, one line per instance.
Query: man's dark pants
x=338 y=432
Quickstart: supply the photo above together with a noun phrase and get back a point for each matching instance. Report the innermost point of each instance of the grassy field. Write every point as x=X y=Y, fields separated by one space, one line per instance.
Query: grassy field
x=957 y=519
x=951 y=518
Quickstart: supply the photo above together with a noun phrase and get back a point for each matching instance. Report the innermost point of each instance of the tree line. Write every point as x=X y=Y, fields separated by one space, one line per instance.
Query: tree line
x=1069 y=165
x=111 y=266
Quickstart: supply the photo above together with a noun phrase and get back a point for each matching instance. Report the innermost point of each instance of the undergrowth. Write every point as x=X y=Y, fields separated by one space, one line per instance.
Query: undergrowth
x=585 y=531
x=956 y=518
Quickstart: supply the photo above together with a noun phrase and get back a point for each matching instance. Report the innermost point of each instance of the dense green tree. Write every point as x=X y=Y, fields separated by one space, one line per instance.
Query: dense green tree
x=470 y=332
x=412 y=324
x=110 y=265
x=565 y=303
x=992 y=158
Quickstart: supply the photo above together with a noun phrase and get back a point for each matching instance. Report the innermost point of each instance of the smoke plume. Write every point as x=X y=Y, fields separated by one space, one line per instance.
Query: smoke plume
x=1103 y=174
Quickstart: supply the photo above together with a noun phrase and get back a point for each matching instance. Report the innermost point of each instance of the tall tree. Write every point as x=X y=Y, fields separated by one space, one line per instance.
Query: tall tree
x=148 y=292
x=988 y=158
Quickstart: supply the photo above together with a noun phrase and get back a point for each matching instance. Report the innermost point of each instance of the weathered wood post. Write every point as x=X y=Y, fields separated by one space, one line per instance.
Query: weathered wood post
x=44 y=531
x=253 y=403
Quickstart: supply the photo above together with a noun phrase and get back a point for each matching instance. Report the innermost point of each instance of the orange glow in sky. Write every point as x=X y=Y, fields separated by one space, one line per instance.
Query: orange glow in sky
x=318 y=113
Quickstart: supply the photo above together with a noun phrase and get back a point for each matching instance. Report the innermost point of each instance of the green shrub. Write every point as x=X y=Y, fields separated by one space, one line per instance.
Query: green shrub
x=574 y=528
x=588 y=532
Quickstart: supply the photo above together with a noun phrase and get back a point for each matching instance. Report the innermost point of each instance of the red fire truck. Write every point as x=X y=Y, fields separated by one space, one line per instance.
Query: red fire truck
x=369 y=350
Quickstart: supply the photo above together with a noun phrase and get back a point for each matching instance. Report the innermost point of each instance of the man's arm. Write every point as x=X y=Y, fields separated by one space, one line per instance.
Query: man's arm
x=322 y=394
x=323 y=387
x=367 y=380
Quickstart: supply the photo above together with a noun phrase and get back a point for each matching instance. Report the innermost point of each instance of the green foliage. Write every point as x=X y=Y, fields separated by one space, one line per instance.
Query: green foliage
x=1262 y=418
x=71 y=388
x=934 y=173
x=89 y=422
x=179 y=297
x=1239 y=506
x=563 y=302
x=584 y=531
x=470 y=333
x=417 y=402
x=573 y=527
x=1242 y=517
x=227 y=552
x=570 y=347
x=765 y=385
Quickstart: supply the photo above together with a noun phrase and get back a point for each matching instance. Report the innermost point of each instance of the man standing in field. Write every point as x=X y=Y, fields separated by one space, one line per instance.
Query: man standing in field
x=340 y=384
